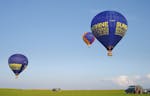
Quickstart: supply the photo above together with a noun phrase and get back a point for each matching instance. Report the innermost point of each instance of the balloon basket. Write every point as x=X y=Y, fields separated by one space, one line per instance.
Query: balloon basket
x=16 y=77
x=109 y=53
x=89 y=45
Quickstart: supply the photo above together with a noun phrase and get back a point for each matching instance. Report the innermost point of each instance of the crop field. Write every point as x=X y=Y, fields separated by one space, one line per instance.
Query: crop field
x=19 y=92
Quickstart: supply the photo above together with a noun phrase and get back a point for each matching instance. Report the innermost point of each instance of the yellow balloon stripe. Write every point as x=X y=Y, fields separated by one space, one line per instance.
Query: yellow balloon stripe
x=121 y=29
x=101 y=29
x=15 y=66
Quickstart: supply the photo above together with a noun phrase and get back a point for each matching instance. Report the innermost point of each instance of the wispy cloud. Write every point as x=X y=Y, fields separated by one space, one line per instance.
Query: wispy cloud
x=124 y=81
x=148 y=76
x=129 y=16
x=96 y=11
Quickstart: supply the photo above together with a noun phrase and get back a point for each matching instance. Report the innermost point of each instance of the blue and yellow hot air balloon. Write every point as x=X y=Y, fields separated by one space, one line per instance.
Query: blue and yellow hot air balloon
x=109 y=27
x=88 y=38
x=17 y=63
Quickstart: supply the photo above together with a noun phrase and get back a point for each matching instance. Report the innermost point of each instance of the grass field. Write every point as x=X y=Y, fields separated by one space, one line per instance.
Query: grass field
x=17 y=92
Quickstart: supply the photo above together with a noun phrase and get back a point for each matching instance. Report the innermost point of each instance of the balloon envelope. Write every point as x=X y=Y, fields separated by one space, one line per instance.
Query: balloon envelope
x=88 y=38
x=109 y=27
x=17 y=63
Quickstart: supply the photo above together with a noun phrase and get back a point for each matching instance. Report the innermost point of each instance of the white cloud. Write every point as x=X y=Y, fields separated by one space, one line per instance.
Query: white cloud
x=96 y=11
x=123 y=81
x=148 y=76
x=137 y=77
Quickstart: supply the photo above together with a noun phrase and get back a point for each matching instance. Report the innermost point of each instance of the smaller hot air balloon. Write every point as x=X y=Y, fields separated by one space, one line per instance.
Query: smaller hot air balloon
x=88 y=38
x=17 y=63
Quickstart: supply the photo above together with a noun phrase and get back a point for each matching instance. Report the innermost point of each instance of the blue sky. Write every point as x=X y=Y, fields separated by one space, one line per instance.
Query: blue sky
x=49 y=33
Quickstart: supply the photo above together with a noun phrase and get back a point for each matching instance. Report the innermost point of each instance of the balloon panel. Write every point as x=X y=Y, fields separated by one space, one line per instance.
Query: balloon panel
x=18 y=59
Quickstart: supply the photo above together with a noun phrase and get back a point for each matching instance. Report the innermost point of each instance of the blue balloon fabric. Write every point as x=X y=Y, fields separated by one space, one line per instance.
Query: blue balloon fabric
x=109 y=27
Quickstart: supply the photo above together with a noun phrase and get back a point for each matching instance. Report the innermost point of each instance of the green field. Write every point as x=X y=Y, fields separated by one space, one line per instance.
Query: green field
x=18 y=92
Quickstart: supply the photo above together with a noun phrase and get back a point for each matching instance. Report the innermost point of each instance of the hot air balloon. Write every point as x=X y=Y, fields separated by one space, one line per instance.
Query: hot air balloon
x=88 y=38
x=109 y=27
x=17 y=63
